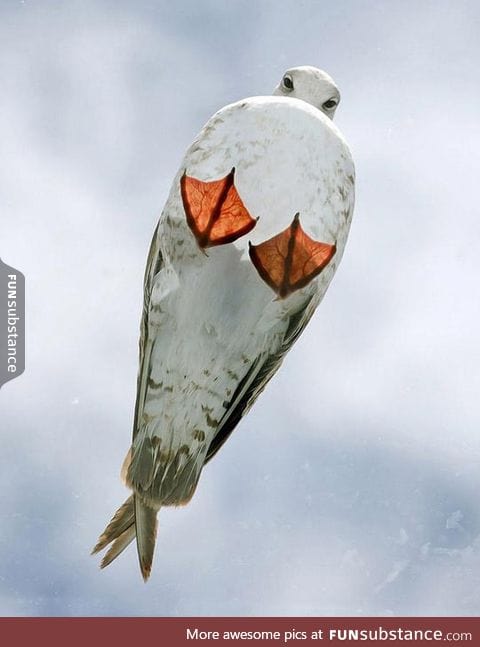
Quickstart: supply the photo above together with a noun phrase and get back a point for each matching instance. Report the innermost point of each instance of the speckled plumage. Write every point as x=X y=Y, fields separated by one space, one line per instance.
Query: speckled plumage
x=212 y=332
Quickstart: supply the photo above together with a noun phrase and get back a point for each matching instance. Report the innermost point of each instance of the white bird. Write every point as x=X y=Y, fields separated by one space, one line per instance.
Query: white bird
x=248 y=241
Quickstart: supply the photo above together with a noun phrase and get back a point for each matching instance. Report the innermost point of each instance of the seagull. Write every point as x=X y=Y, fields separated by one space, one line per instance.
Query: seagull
x=249 y=239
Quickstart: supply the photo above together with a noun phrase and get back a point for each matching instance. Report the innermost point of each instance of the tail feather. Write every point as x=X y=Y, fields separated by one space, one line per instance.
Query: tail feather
x=119 y=545
x=122 y=519
x=133 y=518
x=146 y=531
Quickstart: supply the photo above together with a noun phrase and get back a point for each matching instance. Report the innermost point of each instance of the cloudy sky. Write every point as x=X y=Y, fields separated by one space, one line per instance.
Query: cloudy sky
x=369 y=504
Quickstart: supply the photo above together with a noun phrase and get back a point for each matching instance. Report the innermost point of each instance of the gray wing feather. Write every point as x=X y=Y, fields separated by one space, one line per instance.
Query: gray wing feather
x=154 y=265
x=256 y=379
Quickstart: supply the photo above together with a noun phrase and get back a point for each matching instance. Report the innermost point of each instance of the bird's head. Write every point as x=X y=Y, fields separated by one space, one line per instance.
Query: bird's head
x=311 y=85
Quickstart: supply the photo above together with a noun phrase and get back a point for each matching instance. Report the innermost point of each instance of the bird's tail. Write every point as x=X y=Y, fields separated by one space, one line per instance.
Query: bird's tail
x=133 y=518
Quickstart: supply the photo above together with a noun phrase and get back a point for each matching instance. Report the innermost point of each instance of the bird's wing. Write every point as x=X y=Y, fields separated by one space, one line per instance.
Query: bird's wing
x=153 y=267
x=257 y=377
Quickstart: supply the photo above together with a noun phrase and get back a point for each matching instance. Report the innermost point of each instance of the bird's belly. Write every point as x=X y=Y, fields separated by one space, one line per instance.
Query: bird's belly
x=214 y=325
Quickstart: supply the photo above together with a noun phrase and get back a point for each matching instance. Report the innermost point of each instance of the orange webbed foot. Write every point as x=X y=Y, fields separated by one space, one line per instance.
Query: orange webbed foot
x=291 y=259
x=215 y=212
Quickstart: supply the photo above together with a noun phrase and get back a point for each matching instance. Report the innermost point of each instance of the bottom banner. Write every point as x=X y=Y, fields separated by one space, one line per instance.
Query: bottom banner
x=173 y=632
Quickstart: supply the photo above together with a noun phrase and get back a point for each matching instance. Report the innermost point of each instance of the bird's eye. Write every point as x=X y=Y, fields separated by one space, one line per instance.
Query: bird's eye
x=287 y=82
x=331 y=103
